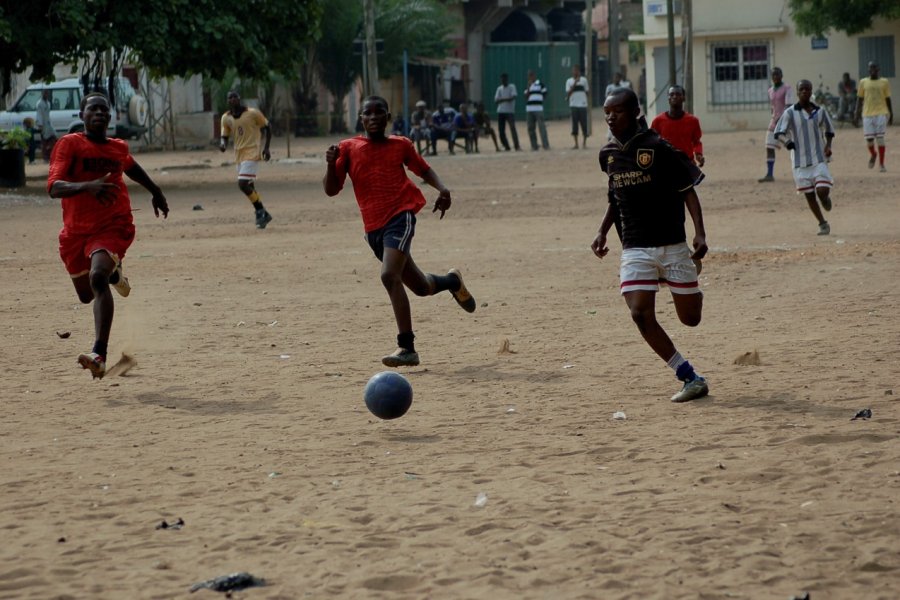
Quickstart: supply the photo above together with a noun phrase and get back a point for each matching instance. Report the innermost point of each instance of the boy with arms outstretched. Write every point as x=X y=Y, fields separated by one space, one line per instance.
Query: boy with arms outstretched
x=388 y=202
x=86 y=172
x=650 y=183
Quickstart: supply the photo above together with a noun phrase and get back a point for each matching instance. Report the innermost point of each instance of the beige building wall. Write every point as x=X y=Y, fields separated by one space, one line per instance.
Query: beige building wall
x=760 y=21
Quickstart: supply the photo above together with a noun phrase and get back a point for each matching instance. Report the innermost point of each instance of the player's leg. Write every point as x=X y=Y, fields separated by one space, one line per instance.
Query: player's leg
x=869 y=133
x=582 y=112
x=247 y=171
x=102 y=266
x=805 y=180
x=542 y=127
x=771 y=145
x=823 y=182
x=501 y=124
x=880 y=130
x=514 y=132
x=573 y=115
x=531 y=127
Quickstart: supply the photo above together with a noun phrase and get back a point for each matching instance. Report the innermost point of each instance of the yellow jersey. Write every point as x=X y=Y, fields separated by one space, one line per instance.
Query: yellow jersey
x=873 y=93
x=246 y=131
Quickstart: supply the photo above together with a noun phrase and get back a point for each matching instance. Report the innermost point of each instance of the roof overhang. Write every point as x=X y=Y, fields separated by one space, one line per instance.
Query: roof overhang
x=711 y=33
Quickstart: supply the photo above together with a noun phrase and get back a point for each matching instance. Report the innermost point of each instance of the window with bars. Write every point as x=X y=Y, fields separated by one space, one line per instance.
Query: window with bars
x=739 y=74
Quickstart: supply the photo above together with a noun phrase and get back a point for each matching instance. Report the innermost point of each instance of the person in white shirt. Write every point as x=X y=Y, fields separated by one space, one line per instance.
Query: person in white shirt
x=534 y=111
x=577 y=95
x=45 y=125
x=505 y=98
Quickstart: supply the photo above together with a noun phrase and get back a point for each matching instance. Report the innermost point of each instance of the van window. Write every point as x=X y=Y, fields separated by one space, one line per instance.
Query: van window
x=28 y=101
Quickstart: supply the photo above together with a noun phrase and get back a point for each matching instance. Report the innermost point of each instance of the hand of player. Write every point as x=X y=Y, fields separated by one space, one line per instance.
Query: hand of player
x=827 y=152
x=790 y=145
x=100 y=188
x=332 y=154
x=266 y=155
x=222 y=146
x=700 y=247
x=443 y=202
x=599 y=245
x=700 y=160
x=159 y=204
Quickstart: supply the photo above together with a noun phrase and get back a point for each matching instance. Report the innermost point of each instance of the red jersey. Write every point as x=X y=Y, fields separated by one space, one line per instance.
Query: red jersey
x=683 y=133
x=76 y=159
x=380 y=182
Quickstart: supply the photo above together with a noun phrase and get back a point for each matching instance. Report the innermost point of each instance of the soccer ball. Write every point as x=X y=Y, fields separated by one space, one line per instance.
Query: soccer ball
x=388 y=395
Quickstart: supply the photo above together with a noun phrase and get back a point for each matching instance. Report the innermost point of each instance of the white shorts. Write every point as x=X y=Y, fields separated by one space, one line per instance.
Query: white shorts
x=247 y=170
x=647 y=268
x=875 y=126
x=812 y=177
x=771 y=142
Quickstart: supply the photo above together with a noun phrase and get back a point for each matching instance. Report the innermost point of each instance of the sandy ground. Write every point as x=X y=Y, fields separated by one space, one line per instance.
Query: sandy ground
x=244 y=415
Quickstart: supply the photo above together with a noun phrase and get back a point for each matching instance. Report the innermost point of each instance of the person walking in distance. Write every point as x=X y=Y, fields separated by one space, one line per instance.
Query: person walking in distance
x=650 y=184
x=44 y=124
x=577 y=95
x=877 y=112
x=780 y=96
x=505 y=99
x=249 y=126
x=534 y=111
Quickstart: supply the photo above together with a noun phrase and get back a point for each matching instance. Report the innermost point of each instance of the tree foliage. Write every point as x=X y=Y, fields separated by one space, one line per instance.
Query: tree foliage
x=169 y=37
x=817 y=17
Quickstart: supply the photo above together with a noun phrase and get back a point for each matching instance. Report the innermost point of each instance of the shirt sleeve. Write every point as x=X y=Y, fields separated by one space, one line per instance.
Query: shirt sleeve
x=698 y=133
x=414 y=161
x=59 y=162
x=226 y=130
x=261 y=119
x=784 y=122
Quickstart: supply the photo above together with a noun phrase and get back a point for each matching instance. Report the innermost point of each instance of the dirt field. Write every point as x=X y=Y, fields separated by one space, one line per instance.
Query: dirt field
x=244 y=415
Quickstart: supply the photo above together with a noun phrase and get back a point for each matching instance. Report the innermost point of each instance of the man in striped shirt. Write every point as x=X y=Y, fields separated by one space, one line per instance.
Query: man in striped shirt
x=803 y=124
x=534 y=111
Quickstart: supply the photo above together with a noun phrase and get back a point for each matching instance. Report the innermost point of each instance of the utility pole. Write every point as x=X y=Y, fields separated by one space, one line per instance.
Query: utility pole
x=670 y=21
x=589 y=60
x=371 y=51
x=613 y=38
x=687 y=37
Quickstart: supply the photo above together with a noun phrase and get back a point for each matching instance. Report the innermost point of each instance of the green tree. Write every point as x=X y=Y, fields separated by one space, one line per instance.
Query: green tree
x=817 y=17
x=170 y=37
x=418 y=26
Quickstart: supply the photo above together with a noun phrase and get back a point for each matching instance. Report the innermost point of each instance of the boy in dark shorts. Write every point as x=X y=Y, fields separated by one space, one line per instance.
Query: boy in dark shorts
x=86 y=173
x=388 y=202
x=650 y=183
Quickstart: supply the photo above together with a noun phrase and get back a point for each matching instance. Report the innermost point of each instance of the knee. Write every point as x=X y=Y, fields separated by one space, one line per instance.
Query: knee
x=390 y=280
x=642 y=317
x=691 y=320
x=85 y=297
x=99 y=281
x=245 y=186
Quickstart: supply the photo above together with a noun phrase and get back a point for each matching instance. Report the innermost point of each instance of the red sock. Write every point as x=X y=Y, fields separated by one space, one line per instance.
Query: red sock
x=881 y=155
x=872 y=150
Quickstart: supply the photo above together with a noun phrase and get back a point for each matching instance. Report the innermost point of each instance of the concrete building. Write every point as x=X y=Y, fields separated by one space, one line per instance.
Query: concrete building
x=735 y=45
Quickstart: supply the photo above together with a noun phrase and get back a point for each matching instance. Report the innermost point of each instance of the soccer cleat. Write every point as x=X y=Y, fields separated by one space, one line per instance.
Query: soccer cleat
x=765 y=179
x=122 y=285
x=401 y=357
x=94 y=363
x=872 y=162
x=695 y=388
x=462 y=295
x=824 y=228
x=882 y=169
x=263 y=218
x=826 y=202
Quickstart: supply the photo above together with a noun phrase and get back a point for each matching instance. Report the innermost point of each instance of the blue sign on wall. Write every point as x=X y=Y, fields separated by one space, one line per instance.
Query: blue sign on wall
x=819 y=43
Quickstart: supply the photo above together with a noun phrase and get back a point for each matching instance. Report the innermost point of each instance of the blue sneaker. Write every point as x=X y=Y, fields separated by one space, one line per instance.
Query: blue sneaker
x=695 y=388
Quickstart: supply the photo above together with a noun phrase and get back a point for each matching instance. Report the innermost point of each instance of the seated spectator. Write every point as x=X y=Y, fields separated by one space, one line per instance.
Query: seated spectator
x=399 y=126
x=421 y=126
x=442 y=127
x=464 y=123
x=483 y=125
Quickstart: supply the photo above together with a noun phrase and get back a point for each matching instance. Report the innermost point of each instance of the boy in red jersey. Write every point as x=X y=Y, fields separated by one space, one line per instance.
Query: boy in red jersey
x=388 y=202
x=86 y=173
x=680 y=128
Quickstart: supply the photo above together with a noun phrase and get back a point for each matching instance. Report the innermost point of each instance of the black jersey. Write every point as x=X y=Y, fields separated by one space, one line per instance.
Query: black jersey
x=647 y=182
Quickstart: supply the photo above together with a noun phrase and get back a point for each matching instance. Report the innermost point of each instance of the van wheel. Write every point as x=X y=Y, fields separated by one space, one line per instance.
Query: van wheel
x=137 y=110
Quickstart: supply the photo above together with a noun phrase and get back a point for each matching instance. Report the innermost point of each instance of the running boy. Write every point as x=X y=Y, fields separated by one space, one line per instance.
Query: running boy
x=650 y=183
x=248 y=125
x=388 y=202
x=803 y=124
x=86 y=172
x=679 y=127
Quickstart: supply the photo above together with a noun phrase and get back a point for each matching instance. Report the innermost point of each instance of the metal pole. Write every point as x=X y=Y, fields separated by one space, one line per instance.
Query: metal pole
x=687 y=36
x=405 y=92
x=670 y=19
x=371 y=49
x=588 y=61
x=613 y=38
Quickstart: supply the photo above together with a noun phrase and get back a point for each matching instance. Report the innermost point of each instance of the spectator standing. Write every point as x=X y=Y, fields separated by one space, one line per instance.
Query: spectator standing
x=780 y=96
x=534 y=111
x=43 y=124
x=680 y=128
x=577 y=95
x=847 y=93
x=421 y=126
x=505 y=98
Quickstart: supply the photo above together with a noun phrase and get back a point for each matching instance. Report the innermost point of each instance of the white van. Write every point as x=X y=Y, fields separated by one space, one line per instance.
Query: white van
x=129 y=120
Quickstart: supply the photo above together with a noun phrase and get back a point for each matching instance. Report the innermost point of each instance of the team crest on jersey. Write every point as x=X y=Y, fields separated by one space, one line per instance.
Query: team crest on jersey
x=644 y=158
x=609 y=159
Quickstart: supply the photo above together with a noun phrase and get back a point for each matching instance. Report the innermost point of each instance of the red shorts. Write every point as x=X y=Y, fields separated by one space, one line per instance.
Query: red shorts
x=76 y=249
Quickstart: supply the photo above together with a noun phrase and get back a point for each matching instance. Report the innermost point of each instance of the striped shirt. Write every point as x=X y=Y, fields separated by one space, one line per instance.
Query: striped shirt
x=534 y=96
x=805 y=130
